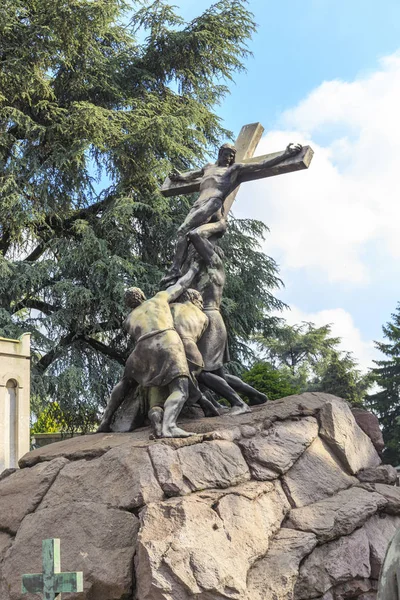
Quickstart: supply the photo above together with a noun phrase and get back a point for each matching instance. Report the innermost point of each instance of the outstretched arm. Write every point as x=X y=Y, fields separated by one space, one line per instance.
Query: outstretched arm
x=176 y=175
x=291 y=150
x=174 y=291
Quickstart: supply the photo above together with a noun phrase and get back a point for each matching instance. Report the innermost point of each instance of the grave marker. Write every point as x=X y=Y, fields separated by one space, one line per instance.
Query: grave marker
x=51 y=583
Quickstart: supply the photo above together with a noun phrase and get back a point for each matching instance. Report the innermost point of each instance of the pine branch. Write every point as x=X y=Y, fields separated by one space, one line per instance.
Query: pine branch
x=44 y=307
x=54 y=224
x=60 y=225
x=5 y=241
x=45 y=361
x=106 y=350
x=92 y=210
x=36 y=253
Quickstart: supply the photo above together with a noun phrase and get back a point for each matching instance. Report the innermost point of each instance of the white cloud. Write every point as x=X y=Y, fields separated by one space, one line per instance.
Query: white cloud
x=326 y=218
x=343 y=326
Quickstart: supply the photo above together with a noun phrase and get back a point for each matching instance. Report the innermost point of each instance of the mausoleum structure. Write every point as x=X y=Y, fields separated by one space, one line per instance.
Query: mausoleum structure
x=14 y=400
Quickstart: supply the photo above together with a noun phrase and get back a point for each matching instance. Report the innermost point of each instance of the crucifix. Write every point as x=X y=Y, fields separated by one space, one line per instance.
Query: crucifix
x=219 y=184
x=52 y=582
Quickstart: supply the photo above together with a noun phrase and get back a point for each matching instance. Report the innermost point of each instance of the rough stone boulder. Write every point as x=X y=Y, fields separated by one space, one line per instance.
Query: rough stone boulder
x=369 y=423
x=287 y=502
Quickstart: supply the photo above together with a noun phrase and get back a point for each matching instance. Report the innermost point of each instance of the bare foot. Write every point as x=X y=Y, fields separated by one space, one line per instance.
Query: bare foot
x=208 y=407
x=259 y=398
x=240 y=410
x=175 y=432
x=156 y=419
x=103 y=428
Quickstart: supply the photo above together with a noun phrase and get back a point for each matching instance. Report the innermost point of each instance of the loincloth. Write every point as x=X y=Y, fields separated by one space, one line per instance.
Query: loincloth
x=213 y=344
x=158 y=358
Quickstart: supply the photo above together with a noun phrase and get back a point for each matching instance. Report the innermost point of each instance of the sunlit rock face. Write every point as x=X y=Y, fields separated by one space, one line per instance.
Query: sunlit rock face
x=287 y=502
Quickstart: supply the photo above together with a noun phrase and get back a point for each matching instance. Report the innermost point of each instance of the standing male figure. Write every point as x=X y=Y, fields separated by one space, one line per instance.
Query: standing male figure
x=213 y=345
x=218 y=180
x=159 y=359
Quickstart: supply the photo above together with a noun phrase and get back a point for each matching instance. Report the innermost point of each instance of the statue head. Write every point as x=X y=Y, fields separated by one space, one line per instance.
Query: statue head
x=226 y=155
x=193 y=296
x=134 y=297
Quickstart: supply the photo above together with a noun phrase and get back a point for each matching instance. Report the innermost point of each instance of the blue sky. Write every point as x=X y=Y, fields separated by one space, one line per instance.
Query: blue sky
x=327 y=73
x=301 y=43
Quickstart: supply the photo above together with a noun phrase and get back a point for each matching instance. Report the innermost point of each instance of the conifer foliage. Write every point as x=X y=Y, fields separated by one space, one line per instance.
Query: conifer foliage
x=309 y=359
x=97 y=100
x=386 y=402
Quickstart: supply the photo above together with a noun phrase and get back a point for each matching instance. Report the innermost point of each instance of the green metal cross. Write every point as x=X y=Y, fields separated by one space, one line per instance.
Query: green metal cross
x=52 y=582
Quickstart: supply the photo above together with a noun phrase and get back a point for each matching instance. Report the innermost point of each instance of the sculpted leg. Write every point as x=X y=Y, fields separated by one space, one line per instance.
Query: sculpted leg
x=179 y=393
x=195 y=394
x=217 y=384
x=156 y=398
x=209 y=408
x=221 y=408
x=238 y=385
x=197 y=217
x=156 y=418
x=204 y=232
x=117 y=396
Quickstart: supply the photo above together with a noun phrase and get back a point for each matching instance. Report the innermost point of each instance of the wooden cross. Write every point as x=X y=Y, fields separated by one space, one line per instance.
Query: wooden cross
x=52 y=582
x=246 y=145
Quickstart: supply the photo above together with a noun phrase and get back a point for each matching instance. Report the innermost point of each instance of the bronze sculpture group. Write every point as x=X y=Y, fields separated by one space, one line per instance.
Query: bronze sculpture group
x=180 y=336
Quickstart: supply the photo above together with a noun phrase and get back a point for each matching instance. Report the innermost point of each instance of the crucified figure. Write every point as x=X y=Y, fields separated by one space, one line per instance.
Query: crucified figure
x=217 y=181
